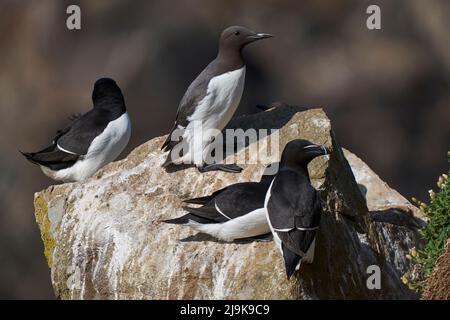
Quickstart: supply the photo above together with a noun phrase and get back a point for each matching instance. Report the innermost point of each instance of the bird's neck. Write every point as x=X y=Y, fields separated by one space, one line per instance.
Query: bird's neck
x=297 y=168
x=231 y=57
x=114 y=103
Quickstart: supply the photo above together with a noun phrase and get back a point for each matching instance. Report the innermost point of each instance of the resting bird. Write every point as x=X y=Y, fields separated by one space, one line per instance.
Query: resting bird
x=234 y=212
x=293 y=206
x=91 y=140
x=210 y=102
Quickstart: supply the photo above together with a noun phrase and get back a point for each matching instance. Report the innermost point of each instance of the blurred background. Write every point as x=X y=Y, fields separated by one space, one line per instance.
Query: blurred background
x=386 y=91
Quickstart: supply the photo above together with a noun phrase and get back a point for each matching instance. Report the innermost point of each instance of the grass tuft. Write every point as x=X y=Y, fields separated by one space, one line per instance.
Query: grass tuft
x=435 y=233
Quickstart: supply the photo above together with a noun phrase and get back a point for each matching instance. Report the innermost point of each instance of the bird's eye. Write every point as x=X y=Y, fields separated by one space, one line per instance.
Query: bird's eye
x=237 y=33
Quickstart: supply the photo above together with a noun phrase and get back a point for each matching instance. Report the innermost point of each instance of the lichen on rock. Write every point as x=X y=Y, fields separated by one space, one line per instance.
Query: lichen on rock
x=104 y=238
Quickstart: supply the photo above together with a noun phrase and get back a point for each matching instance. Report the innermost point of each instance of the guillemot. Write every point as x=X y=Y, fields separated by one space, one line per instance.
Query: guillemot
x=210 y=102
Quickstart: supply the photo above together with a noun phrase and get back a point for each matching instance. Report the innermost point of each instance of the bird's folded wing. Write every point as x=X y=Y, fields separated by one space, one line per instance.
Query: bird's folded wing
x=72 y=119
x=240 y=199
x=205 y=199
x=52 y=158
x=207 y=212
x=83 y=131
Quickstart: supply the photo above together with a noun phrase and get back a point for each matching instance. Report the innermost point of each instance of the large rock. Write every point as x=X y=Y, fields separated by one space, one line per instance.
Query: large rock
x=104 y=239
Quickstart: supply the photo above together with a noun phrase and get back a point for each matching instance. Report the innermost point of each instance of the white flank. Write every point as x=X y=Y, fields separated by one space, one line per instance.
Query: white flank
x=274 y=233
x=249 y=225
x=104 y=148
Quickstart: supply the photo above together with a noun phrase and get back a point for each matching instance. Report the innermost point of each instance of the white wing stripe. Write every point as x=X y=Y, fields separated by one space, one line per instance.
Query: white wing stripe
x=283 y=230
x=66 y=151
x=220 y=211
x=307 y=229
x=298 y=228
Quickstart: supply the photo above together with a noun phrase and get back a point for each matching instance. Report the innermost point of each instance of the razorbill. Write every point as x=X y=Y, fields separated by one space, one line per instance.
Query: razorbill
x=293 y=206
x=234 y=212
x=91 y=140
x=210 y=102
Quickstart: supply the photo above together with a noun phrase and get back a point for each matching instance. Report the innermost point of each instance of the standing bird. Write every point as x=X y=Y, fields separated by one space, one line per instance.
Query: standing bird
x=90 y=141
x=293 y=206
x=210 y=102
x=234 y=212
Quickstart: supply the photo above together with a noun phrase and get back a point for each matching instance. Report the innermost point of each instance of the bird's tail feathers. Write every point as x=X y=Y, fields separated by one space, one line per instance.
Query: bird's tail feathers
x=199 y=200
x=51 y=157
x=165 y=145
x=169 y=143
x=180 y=220
x=167 y=162
x=292 y=261
x=29 y=156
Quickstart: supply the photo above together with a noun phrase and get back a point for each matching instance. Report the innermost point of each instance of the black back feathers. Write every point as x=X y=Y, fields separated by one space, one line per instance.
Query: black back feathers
x=74 y=140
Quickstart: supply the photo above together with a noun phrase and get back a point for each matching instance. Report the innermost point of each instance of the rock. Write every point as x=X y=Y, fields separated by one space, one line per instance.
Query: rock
x=438 y=284
x=104 y=239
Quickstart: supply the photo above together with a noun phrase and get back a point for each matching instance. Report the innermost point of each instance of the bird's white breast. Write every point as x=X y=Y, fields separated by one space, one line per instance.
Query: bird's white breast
x=215 y=110
x=248 y=225
x=105 y=148
x=224 y=93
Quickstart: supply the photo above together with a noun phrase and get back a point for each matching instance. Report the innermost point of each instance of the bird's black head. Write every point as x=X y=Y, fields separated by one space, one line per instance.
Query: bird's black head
x=236 y=38
x=106 y=91
x=298 y=153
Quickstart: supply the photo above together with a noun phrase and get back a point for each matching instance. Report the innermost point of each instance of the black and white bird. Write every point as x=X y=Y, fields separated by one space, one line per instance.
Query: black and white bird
x=232 y=213
x=293 y=206
x=90 y=141
x=210 y=102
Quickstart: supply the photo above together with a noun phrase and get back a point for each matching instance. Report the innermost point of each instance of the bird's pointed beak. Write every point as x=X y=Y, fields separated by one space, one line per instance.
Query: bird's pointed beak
x=319 y=149
x=259 y=36
x=263 y=35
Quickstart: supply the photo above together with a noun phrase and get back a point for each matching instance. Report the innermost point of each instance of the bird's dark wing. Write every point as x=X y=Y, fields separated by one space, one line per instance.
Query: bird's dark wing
x=193 y=217
x=225 y=204
x=205 y=199
x=294 y=211
x=51 y=157
x=246 y=188
x=73 y=118
x=203 y=214
x=240 y=199
x=79 y=136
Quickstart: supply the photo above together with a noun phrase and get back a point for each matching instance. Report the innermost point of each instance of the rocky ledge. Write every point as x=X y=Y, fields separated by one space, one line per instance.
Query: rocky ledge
x=104 y=239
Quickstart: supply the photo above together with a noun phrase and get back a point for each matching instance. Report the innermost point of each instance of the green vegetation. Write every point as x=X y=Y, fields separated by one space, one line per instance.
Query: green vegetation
x=435 y=234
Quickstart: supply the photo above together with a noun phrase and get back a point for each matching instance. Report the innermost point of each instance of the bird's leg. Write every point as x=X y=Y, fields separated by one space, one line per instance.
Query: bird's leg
x=232 y=168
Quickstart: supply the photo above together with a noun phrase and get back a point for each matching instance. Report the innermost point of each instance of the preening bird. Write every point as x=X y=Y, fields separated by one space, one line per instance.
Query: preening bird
x=234 y=212
x=91 y=140
x=210 y=102
x=293 y=206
